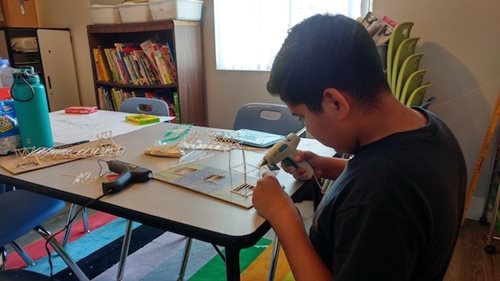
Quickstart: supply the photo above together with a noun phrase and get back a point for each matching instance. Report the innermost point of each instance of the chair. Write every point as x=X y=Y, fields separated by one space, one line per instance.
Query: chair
x=160 y=108
x=27 y=259
x=405 y=49
x=417 y=97
x=145 y=105
x=409 y=66
x=271 y=118
x=22 y=211
x=267 y=117
x=412 y=82
x=400 y=33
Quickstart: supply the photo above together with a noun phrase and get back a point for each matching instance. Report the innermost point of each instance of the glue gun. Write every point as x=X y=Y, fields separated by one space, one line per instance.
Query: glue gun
x=127 y=173
x=285 y=150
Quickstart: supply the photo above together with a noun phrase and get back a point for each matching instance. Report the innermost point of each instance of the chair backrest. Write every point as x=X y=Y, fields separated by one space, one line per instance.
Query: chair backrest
x=267 y=117
x=145 y=105
x=400 y=33
x=417 y=97
x=409 y=66
x=405 y=49
x=412 y=82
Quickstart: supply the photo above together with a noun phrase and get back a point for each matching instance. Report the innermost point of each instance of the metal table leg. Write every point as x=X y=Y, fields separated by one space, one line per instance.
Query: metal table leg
x=232 y=264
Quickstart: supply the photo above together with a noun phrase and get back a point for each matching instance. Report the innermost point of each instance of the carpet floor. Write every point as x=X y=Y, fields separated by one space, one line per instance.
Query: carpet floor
x=153 y=255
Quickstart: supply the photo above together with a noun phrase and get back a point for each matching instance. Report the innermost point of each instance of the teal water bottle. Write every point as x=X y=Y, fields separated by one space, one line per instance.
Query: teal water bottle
x=30 y=103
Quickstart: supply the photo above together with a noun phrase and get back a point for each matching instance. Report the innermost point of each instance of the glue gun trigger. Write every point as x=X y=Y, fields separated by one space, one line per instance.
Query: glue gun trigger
x=289 y=162
x=117 y=184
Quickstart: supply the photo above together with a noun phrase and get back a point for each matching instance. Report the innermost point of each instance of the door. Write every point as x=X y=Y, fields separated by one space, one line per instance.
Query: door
x=59 y=68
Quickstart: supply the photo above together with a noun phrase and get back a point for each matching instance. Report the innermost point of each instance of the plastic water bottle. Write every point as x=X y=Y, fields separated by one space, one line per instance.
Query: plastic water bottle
x=30 y=102
x=6 y=78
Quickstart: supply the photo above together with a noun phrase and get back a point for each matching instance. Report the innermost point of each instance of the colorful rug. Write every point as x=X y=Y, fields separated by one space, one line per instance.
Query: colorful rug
x=154 y=255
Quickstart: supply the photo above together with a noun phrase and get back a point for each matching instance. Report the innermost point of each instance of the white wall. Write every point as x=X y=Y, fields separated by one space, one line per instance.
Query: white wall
x=73 y=15
x=460 y=41
x=459 y=38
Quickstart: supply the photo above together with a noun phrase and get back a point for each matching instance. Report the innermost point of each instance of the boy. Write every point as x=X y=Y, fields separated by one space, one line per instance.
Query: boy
x=394 y=210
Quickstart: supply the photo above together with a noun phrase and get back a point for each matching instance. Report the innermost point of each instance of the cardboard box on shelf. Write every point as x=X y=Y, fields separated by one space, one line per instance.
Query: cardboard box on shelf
x=20 y=13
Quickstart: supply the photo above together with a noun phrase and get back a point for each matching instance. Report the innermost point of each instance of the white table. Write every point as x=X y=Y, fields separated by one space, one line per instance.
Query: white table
x=155 y=203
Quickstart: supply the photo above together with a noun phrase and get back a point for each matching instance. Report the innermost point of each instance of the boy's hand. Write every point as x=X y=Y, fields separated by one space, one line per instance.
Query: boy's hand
x=301 y=173
x=269 y=199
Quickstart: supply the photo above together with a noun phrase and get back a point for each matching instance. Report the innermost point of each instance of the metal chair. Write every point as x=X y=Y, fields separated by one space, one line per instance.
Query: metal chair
x=265 y=117
x=23 y=211
x=22 y=253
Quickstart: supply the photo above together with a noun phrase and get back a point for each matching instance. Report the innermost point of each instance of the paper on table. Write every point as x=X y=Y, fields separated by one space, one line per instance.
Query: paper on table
x=68 y=128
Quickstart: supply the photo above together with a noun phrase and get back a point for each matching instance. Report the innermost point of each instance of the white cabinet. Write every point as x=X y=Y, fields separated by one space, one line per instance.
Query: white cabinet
x=52 y=57
x=58 y=68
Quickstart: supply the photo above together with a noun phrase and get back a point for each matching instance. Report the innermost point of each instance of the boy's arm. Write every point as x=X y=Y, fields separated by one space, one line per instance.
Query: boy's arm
x=277 y=207
x=301 y=255
x=332 y=167
x=324 y=167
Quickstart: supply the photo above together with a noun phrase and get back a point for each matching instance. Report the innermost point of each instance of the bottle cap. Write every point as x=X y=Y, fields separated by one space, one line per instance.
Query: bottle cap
x=4 y=62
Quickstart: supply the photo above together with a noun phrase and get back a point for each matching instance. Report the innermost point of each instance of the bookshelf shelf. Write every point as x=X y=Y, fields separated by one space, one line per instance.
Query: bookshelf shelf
x=178 y=73
x=132 y=86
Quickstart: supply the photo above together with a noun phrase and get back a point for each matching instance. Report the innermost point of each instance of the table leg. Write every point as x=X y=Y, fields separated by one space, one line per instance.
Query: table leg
x=124 y=253
x=232 y=264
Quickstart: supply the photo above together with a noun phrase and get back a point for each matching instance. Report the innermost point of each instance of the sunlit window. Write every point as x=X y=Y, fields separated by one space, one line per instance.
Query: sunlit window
x=249 y=33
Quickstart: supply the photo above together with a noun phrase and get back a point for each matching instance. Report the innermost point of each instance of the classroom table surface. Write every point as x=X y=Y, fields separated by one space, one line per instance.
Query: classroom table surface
x=155 y=203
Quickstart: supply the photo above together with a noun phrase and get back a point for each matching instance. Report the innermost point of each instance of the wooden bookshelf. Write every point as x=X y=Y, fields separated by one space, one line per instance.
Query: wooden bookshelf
x=184 y=40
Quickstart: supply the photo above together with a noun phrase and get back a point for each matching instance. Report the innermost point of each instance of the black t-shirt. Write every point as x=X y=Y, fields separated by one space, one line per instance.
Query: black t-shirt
x=395 y=211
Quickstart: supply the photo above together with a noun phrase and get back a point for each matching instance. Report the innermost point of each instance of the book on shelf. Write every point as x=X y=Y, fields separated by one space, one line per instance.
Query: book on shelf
x=159 y=56
x=171 y=98
x=148 y=68
x=145 y=64
x=101 y=69
x=112 y=98
x=120 y=66
x=111 y=62
x=169 y=59
x=165 y=76
x=177 y=106
x=105 y=100
x=117 y=98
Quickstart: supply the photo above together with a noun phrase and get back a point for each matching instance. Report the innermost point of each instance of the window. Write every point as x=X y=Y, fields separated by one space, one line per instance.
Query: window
x=249 y=33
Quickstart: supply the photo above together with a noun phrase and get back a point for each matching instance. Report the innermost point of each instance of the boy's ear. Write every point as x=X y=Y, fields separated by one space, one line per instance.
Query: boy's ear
x=336 y=101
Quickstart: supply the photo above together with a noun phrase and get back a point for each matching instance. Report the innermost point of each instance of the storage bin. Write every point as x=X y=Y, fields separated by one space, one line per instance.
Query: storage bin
x=176 y=9
x=104 y=14
x=134 y=12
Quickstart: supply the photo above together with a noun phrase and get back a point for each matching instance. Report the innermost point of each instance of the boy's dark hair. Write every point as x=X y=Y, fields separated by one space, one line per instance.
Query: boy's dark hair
x=327 y=51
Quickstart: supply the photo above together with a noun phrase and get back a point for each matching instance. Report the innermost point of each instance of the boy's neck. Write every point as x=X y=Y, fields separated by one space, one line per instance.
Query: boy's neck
x=389 y=117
